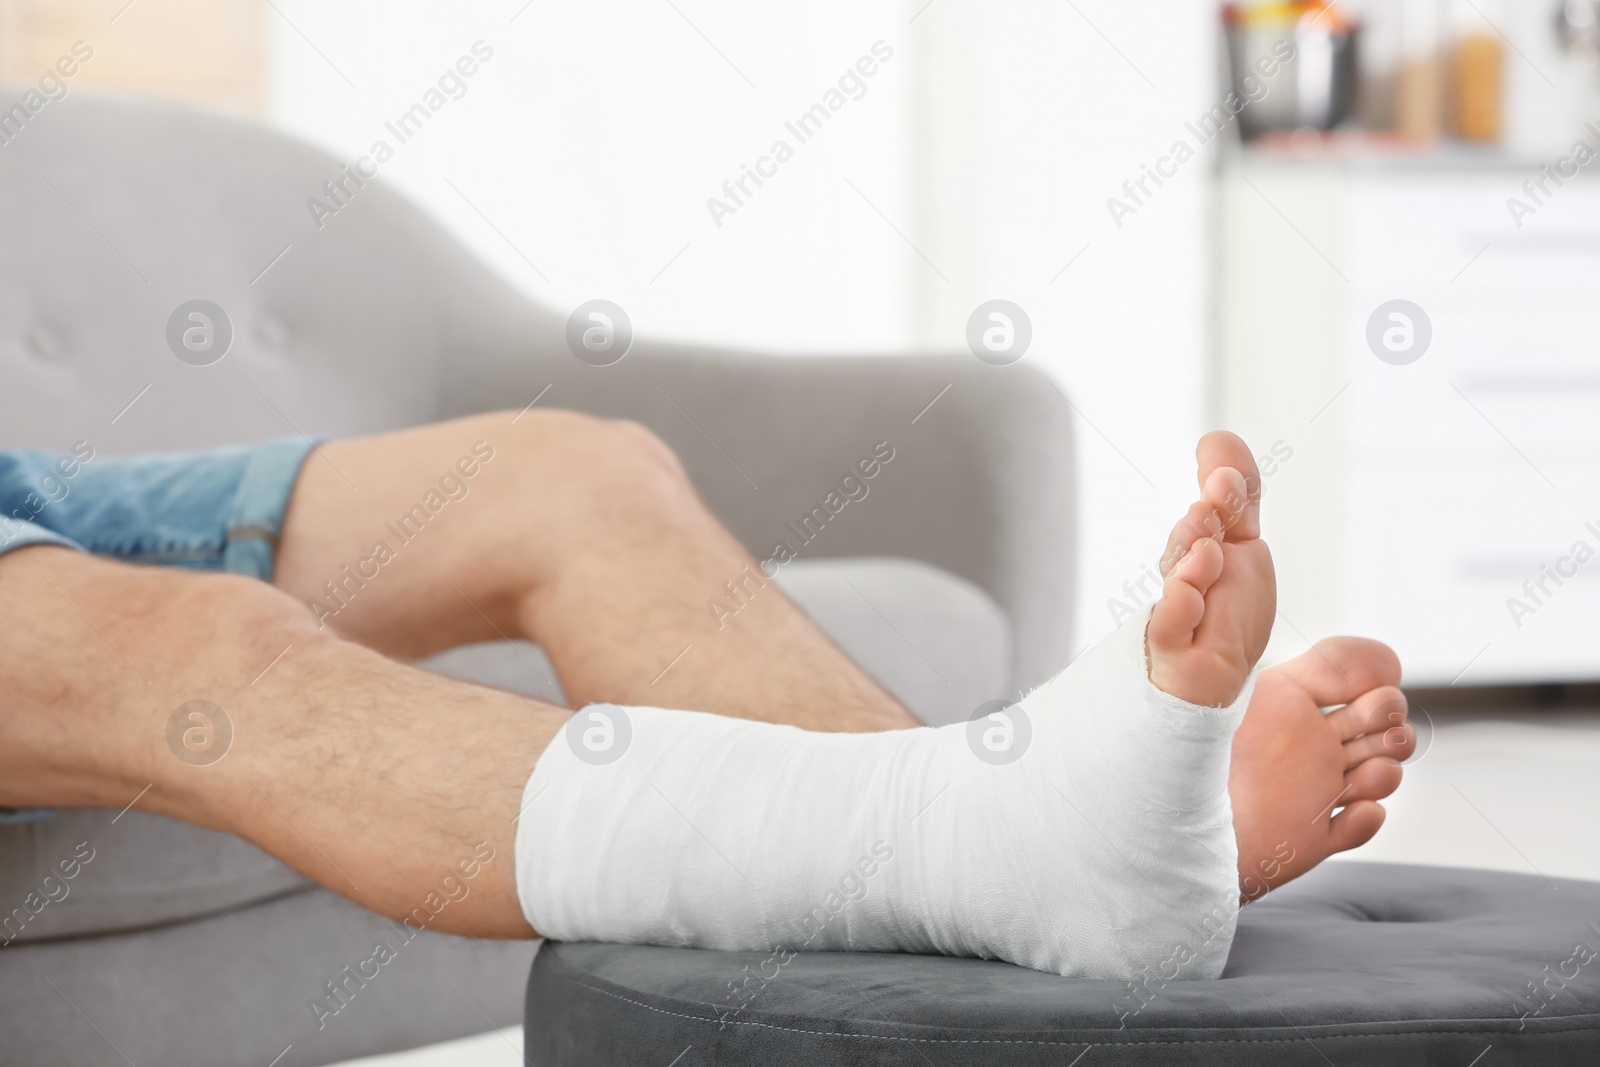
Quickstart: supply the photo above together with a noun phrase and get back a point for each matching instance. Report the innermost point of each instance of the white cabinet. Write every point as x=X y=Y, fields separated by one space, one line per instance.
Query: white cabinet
x=1421 y=498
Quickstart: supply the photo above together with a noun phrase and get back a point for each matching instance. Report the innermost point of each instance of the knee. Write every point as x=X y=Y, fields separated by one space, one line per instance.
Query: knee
x=580 y=480
x=587 y=453
x=244 y=613
x=623 y=447
x=226 y=624
x=636 y=442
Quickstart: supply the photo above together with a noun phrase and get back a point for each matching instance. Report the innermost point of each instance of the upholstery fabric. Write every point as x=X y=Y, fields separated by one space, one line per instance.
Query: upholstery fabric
x=1356 y=963
x=235 y=988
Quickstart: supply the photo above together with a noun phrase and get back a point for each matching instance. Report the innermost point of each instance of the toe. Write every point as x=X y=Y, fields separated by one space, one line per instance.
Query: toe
x=1337 y=670
x=1226 y=491
x=1399 y=743
x=1373 y=712
x=1201 y=566
x=1223 y=449
x=1200 y=522
x=1175 y=616
x=1372 y=779
x=1396 y=743
x=1190 y=571
x=1355 y=825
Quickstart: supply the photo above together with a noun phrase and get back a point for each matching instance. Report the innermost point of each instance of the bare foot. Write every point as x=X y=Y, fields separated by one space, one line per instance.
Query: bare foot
x=1306 y=783
x=1216 y=608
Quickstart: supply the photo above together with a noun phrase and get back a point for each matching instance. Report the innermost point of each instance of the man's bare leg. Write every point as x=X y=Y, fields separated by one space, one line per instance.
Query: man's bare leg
x=366 y=775
x=582 y=535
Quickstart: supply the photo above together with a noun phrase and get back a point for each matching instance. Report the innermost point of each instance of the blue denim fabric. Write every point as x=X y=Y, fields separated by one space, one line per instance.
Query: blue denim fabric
x=218 y=510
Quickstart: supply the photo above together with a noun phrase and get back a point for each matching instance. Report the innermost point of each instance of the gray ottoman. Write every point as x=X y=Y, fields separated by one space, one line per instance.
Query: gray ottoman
x=1357 y=963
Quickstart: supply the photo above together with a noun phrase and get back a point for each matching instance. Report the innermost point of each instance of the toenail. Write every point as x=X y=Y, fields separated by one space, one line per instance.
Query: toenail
x=1407 y=733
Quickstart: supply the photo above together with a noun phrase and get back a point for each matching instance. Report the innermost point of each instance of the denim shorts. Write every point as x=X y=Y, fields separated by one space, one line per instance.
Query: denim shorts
x=217 y=510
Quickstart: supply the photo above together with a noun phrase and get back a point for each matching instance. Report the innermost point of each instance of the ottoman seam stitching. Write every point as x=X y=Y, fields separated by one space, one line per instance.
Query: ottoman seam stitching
x=1020 y=1040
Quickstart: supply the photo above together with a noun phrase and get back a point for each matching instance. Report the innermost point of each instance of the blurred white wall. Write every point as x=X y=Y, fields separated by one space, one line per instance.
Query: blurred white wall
x=595 y=135
x=1070 y=100
x=976 y=165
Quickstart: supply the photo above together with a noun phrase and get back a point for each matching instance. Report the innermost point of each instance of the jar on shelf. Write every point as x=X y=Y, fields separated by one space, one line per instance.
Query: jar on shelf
x=1476 y=71
x=1419 y=84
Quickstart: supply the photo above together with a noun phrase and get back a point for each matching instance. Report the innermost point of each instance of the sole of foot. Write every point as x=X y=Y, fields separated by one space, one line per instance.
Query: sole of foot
x=1321 y=744
x=1325 y=734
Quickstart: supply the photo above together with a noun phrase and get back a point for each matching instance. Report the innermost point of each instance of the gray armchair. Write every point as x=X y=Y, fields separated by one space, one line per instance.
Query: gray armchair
x=179 y=946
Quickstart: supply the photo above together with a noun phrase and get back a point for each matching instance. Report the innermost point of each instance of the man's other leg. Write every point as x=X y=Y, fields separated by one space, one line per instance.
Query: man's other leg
x=371 y=777
x=581 y=534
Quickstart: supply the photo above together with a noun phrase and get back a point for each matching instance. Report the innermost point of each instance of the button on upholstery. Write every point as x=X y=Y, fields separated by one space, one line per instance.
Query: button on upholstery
x=44 y=341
